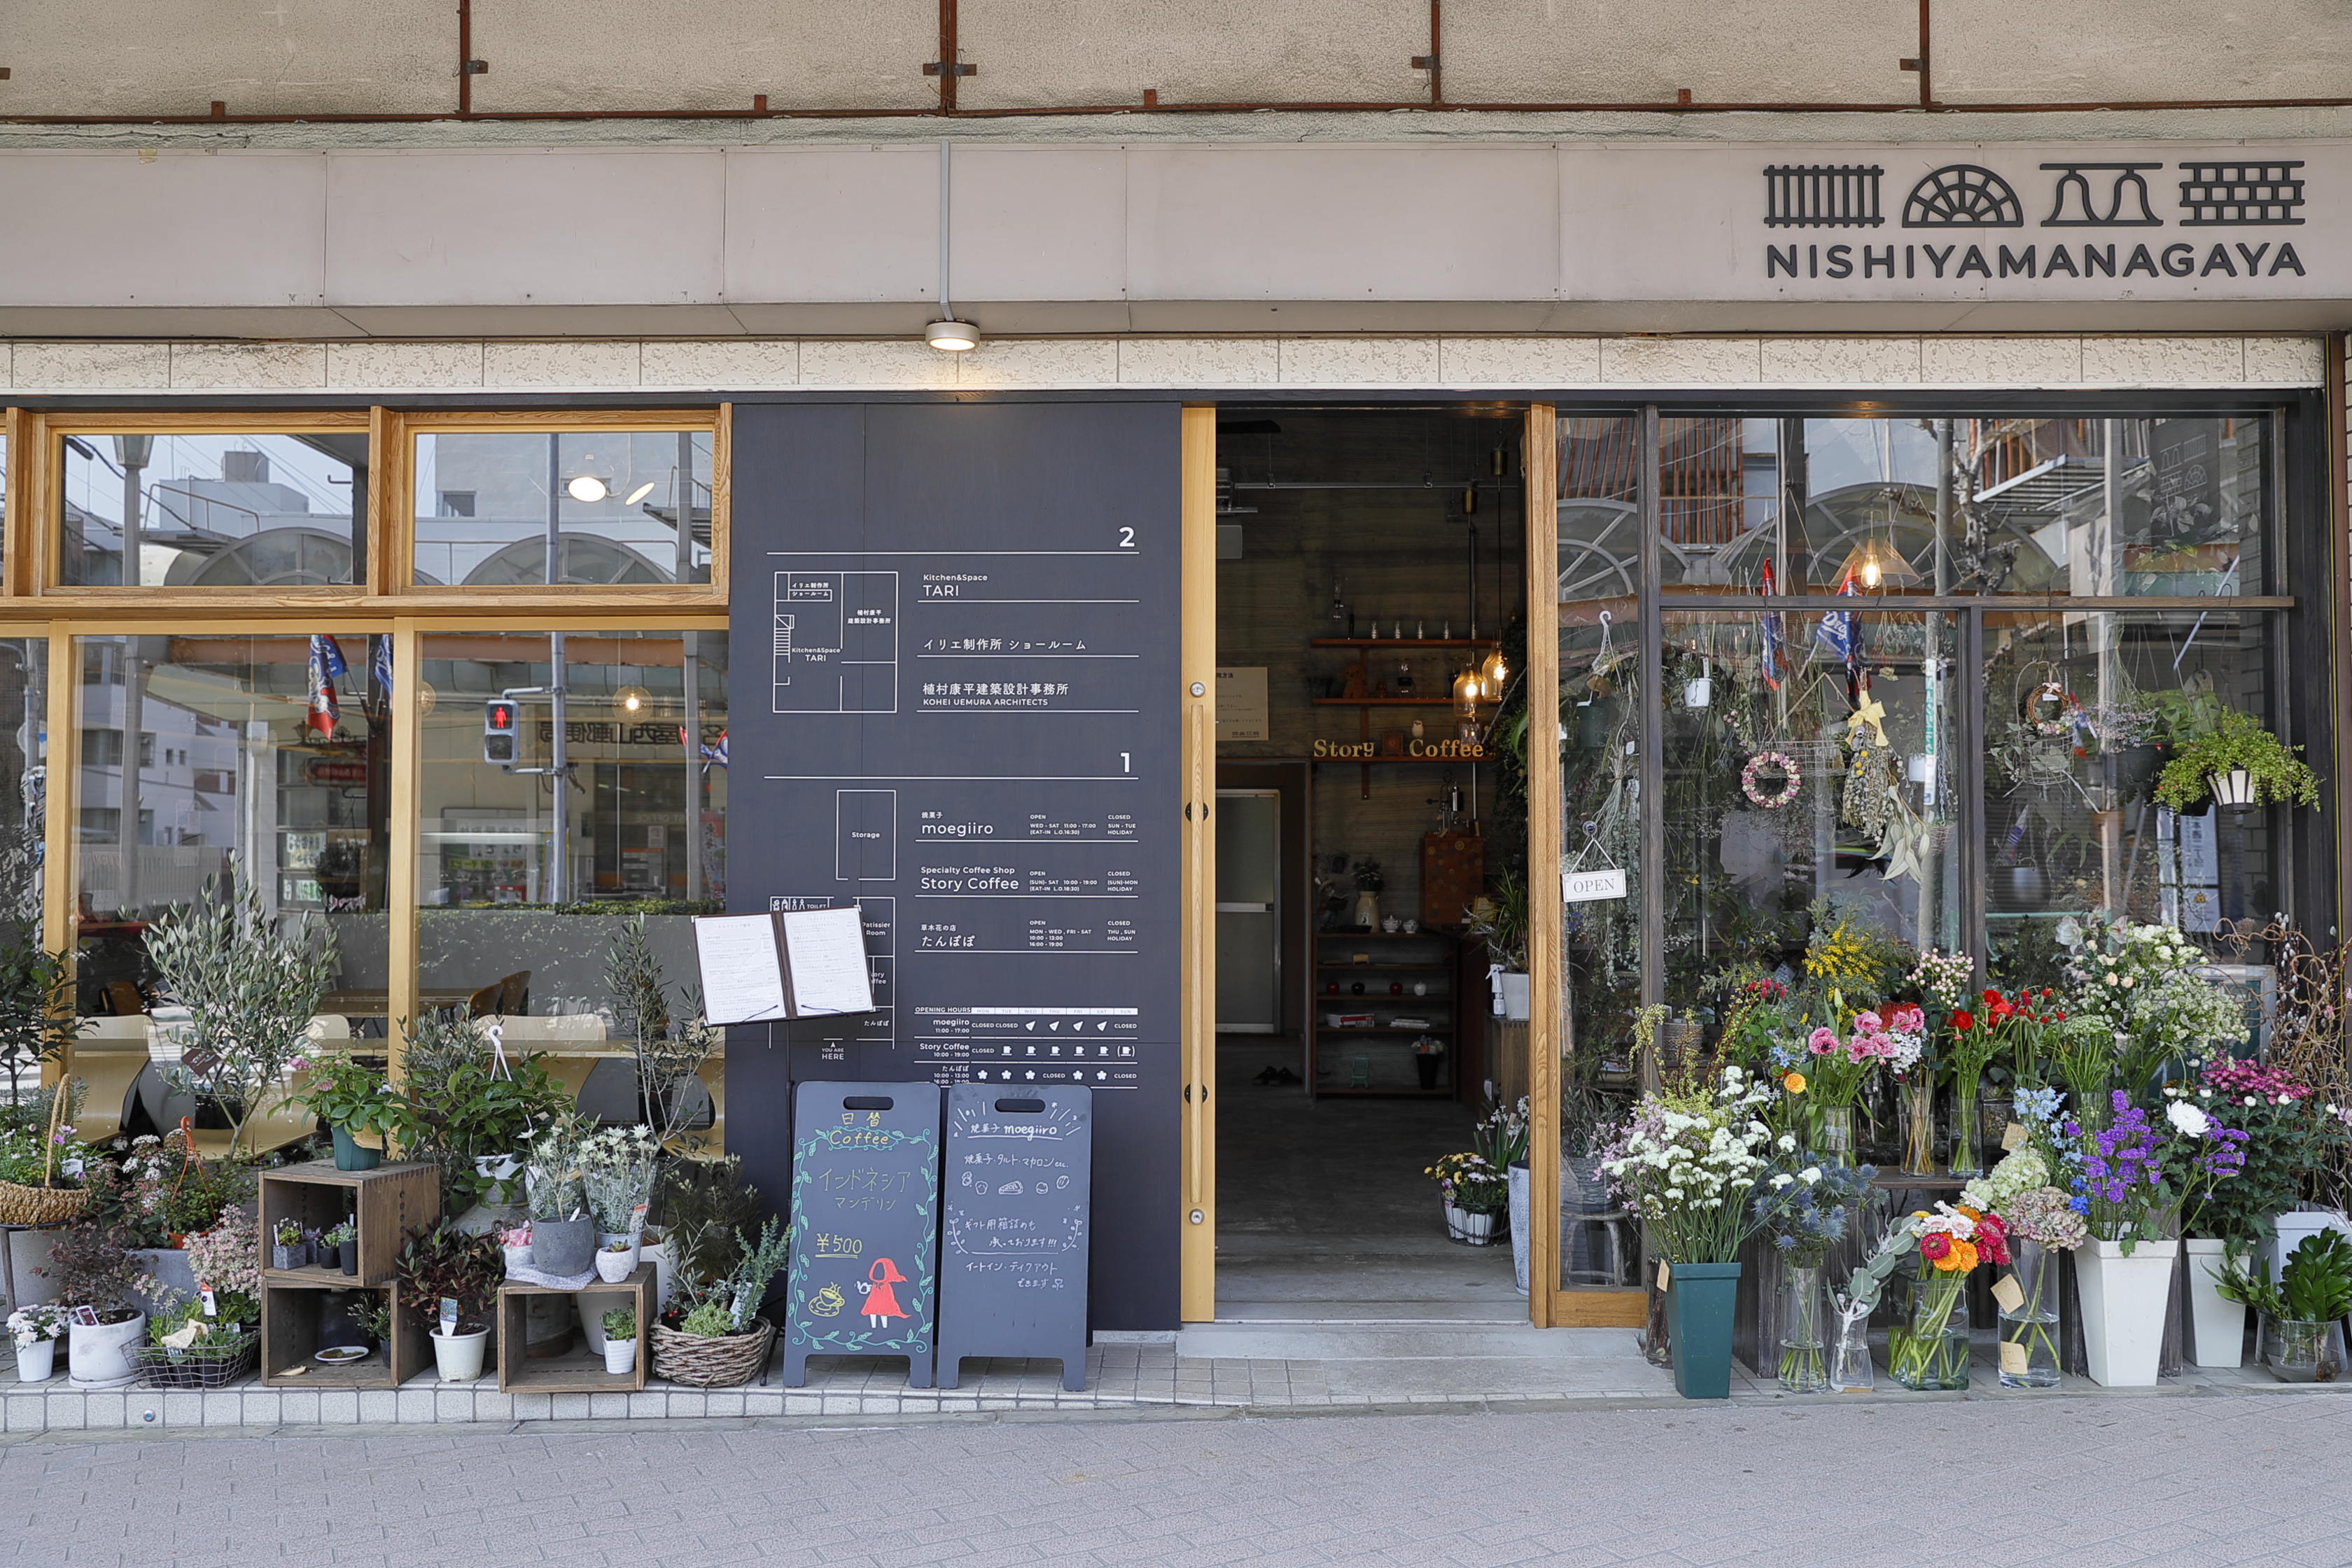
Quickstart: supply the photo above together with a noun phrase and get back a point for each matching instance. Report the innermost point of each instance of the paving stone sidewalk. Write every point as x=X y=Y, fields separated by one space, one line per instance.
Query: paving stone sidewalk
x=2099 y=1482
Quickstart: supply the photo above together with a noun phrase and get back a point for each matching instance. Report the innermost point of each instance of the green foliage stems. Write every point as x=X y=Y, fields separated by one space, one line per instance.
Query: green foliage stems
x=444 y=1262
x=357 y=1099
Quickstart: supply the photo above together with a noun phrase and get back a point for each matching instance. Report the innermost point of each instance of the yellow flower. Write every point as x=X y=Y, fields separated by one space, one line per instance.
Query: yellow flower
x=1959 y=1260
x=1794 y=1083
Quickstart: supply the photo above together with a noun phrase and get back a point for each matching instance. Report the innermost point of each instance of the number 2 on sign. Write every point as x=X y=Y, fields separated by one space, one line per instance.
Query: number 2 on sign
x=1127 y=539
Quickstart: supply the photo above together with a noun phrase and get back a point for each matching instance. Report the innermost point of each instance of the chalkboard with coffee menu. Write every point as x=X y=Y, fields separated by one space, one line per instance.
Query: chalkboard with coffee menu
x=866 y=1183
x=1015 y=1212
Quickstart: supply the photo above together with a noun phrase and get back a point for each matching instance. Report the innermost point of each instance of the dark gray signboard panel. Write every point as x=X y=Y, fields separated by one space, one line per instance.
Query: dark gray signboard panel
x=865 y=1215
x=957 y=709
x=1013 y=1224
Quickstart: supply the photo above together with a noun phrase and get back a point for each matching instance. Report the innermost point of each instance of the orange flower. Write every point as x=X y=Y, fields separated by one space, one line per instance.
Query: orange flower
x=1794 y=1083
x=1972 y=1214
x=1959 y=1260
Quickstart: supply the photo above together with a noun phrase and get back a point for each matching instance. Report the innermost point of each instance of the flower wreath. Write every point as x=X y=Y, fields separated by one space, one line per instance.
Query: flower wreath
x=1788 y=791
x=2060 y=720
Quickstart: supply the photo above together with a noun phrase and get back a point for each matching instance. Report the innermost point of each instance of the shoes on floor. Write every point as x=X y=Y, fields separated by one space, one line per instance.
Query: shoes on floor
x=1269 y=1076
x=1285 y=1077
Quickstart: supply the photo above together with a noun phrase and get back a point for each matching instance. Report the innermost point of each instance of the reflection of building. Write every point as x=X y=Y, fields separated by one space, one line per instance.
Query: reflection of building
x=484 y=516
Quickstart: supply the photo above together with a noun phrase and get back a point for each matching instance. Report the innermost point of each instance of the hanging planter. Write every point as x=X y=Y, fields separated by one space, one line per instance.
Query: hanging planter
x=2239 y=764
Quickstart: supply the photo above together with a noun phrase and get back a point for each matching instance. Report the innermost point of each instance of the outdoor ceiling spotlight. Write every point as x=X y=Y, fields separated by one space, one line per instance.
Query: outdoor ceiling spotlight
x=633 y=700
x=955 y=337
x=640 y=493
x=588 y=487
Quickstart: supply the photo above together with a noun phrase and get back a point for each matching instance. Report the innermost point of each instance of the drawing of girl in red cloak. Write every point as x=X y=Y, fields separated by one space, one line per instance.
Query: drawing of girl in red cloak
x=881 y=1301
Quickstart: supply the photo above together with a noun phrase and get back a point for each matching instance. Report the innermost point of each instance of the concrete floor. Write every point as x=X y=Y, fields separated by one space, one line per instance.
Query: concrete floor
x=1323 y=1212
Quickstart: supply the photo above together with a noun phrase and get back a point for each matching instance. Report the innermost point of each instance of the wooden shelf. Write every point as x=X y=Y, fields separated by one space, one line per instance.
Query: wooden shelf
x=290 y=1337
x=571 y=1374
x=1338 y=933
x=385 y=1202
x=1439 y=954
x=1404 y=642
x=1343 y=967
x=1390 y=1094
x=1387 y=1029
x=1389 y=702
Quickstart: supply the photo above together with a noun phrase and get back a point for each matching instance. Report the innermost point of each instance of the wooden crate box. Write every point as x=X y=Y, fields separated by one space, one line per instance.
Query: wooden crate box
x=387 y=1203
x=578 y=1371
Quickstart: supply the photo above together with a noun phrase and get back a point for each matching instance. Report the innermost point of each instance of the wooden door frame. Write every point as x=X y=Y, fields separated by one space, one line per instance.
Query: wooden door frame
x=1196 y=1220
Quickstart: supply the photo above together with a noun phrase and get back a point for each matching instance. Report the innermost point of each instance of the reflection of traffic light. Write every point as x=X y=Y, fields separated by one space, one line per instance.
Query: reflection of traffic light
x=499 y=731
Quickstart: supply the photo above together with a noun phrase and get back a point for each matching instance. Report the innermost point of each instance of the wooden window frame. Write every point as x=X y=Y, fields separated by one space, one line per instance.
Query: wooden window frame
x=32 y=606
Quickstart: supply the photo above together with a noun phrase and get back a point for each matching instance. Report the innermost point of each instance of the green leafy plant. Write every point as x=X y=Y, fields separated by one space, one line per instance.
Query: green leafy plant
x=90 y=1261
x=446 y=1263
x=2315 y=1286
x=1369 y=879
x=372 y=1315
x=1503 y=926
x=705 y=1206
x=465 y=1105
x=710 y=1320
x=2238 y=741
x=357 y=1099
x=621 y=1323
x=36 y=1004
x=251 y=983
x=671 y=1044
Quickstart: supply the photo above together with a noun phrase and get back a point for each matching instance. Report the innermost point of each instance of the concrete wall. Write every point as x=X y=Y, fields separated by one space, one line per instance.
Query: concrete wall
x=130 y=57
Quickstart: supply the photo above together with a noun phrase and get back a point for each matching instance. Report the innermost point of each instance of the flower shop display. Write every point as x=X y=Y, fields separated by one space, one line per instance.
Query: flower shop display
x=2302 y=1312
x=1836 y=1071
x=2040 y=1223
x=2002 y=1029
x=251 y=980
x=2136 y=986
x=712 y=1336
x=209 y=1337
x=1687 y=1161
x=2238 y=762
x=562 y=1236
x=35 y=1331
x=1930 y=1349
x=2204 y=1160
x=2123 y=1272
x=671 y=1042
x=471 y=1103
x=41 y=1158
x=620 y=1341
x=1475 y=1196
x=616 y=1174
x=443 y=1263
x=1805 y=1209
x=1850 y=1370
x=354 y=1100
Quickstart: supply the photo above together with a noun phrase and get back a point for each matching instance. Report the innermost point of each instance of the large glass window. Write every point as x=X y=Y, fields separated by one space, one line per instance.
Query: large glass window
x=213 y=508
x=272 y=750
x=510 y=508
x=612 y=803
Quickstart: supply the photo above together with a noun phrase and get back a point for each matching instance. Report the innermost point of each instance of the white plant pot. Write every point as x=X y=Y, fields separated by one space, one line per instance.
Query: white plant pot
x=30 y=1254
x=2217 y=1326
x=459 y=1357
x=620 y=1357
x=593 y=1305
x=2123 y=1308
x=500 y=1169
x=1511 y=992
x=612 y=1267
x=101 y=1357
x=37 y=1363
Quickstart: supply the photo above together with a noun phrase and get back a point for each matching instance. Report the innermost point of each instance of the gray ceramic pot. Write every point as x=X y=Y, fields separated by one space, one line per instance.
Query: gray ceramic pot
x=563 y=1247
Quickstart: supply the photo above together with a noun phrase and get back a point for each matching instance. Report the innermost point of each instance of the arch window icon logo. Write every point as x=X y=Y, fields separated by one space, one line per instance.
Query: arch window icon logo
x=1962 y=196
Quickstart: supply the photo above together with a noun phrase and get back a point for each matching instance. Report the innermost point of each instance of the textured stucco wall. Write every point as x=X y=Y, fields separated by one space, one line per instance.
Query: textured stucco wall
x=1625 y=51
x=2098 y=51
x=347 y=56
x=176 y=56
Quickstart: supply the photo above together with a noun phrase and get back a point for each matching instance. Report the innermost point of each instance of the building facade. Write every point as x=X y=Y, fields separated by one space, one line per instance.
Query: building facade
x=504 y=356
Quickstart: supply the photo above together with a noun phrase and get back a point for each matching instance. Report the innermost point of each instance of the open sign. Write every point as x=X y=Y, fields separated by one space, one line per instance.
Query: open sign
x=1587 y=887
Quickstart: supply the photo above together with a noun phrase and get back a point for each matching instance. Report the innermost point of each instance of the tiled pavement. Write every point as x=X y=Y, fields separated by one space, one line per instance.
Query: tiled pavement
x=1252 y=1368
x=2097 y=1482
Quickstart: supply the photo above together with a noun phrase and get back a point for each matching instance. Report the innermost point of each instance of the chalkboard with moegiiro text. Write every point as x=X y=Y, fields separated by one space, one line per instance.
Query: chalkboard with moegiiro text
x=1015 y=1211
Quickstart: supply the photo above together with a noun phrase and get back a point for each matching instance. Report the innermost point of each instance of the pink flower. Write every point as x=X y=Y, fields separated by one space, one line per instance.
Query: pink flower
x=1821 y=1042
x=1867 y=1023
x=1910 y=1020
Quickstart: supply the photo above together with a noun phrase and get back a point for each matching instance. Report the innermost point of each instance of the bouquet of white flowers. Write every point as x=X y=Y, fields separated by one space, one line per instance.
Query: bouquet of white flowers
x=1687 y=1162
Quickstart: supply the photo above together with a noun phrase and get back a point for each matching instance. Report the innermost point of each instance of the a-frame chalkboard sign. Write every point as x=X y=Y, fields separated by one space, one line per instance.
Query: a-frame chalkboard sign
x=866 y=1181
x=1015 y=1213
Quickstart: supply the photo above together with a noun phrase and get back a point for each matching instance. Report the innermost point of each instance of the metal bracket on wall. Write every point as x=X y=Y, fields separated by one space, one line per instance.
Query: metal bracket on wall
x=949 y=68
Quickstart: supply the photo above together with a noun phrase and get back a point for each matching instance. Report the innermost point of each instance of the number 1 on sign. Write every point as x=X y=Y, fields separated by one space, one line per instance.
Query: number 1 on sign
x=1126 y=763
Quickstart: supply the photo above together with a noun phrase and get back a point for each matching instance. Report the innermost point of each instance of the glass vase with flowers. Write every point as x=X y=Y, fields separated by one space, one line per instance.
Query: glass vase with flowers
x=1835 y=1071
x=1804 y=1207
x=1931 y=1350
x=2038 y=1223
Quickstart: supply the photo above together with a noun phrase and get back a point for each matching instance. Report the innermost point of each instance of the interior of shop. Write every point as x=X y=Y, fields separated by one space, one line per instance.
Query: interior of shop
x=1371 y=830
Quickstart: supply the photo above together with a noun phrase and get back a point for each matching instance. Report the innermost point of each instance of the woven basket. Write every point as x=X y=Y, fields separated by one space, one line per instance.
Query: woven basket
x=699 y=1362
x=40 y=1205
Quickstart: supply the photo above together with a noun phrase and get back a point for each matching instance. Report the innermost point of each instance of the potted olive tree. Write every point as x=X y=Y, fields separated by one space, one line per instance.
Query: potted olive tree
x=251 y=983
x=2238 y=762
x=1502 y=925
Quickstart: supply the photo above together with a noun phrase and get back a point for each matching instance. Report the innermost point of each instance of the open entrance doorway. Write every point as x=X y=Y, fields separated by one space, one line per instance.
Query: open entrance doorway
x=1371 y=853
